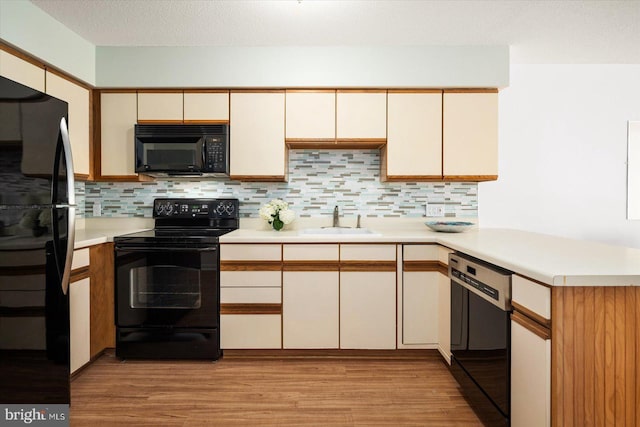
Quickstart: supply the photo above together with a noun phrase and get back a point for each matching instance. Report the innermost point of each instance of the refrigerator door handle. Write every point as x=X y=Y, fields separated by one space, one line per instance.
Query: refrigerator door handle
x=68 y=159
x=71 y=234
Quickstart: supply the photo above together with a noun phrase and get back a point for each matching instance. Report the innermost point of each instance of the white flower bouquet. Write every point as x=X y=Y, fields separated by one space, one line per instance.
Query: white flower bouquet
x=277 y=213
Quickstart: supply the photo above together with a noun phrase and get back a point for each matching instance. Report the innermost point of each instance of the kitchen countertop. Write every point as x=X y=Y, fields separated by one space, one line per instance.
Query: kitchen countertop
x=552 y=260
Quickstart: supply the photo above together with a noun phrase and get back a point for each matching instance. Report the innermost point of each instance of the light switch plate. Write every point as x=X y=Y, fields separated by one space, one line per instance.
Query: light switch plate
x=97 y=208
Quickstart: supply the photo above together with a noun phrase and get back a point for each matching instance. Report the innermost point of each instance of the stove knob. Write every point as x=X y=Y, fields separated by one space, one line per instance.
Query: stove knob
x=230 y=208
x=160 y=209
x=220 y=209
x=169 y=209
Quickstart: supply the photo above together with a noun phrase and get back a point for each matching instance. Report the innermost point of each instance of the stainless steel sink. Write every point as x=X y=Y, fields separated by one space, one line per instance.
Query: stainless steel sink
x=338 y=231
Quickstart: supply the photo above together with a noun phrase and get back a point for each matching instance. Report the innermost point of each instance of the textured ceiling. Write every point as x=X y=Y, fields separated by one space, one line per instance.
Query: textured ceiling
x=537 y=31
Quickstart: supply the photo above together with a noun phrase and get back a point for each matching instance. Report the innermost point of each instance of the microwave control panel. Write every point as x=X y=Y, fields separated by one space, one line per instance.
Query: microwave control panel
x=215 y=153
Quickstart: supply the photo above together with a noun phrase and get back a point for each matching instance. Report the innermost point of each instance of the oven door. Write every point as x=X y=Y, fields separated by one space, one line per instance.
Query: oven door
x=160 y=287
x=480 y=345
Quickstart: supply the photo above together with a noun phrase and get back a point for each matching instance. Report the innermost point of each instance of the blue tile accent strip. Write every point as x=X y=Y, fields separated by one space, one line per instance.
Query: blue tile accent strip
x=318 y=180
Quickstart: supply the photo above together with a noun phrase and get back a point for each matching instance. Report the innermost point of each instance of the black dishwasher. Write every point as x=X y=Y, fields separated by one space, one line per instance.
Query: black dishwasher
x=481 y=336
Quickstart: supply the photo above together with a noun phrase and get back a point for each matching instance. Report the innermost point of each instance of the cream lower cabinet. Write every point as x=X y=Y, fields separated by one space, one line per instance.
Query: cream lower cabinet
x=419 y=297
x=257 y=142
x=80 y=310
x=80 y=322
x=250 y=296
x=367 y=296
x=310 y=294
x=530 y=354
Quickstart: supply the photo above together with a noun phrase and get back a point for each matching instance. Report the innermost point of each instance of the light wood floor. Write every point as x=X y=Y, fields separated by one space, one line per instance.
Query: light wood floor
x=276 y=391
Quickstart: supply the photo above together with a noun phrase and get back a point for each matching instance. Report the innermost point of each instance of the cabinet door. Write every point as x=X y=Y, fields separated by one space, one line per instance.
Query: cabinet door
x=310 y=309
x=420 y=307
x=470 y=135
x=414 y=140
x=368 y=310
x=257 y=136
x=530 y=378
x=361 y=115
x=118 y=117
x=79 y=321
x=78 y=99
x=160 y=107
x=206 y=107
x=250 y=331
x=311 y=115
x=21 y=71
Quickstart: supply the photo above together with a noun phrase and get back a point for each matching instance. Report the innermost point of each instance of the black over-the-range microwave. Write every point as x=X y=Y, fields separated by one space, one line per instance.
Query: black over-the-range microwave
x=182 y=150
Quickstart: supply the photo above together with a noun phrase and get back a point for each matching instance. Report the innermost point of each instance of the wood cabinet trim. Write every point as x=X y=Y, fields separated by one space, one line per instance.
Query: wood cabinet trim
x=19 y=54
x=478 y=90
x=66 y=77
x=542 y=321
x=416 y=266
x=205 y=122
x=367 y=266
x=163 y=90
x=205 y=91
x=311 y=266
x=79 y=274
x=361 y=91
x=531 y=326
x=310 y=91
x=411 y=178
x=160 y=122
x=232 y=91
x=262 y=308
x=258 y=178
x=470 y=178
x=414 y=91
x=250 y=265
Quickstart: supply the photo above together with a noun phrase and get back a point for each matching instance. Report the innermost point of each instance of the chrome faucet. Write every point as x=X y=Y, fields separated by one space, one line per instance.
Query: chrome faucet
x=336 y=217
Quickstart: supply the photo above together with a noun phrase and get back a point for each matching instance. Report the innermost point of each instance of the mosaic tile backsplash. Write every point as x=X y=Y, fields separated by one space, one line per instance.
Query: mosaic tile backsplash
x=318 y=181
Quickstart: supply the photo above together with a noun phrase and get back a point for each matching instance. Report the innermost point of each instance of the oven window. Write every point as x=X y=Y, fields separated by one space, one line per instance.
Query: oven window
x=164 y=286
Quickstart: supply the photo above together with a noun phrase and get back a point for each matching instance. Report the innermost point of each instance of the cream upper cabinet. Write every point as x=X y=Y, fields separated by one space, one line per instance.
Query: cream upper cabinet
x=117 y=120
x=165 y=106
x=311 y=115
x=470 y=135
x=257 y=136
x=78 y=99
x=21 y=71
x=414 y=139
x=209 y=107
x=361 y=115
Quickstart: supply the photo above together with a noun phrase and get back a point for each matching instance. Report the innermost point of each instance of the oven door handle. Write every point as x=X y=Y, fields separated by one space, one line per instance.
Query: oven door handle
x=164 y=249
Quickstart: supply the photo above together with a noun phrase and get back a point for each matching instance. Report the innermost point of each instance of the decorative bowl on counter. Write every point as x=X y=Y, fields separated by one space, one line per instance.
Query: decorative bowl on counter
x=449 y=226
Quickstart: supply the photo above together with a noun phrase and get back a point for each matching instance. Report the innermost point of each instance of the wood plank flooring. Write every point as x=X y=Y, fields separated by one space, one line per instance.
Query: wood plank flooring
x=270 y=391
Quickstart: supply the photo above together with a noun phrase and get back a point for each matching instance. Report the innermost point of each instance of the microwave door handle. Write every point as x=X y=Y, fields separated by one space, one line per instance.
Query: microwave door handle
x=204 y=154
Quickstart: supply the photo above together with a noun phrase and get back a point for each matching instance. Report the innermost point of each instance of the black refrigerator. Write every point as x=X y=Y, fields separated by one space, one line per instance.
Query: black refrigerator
x=37 y=212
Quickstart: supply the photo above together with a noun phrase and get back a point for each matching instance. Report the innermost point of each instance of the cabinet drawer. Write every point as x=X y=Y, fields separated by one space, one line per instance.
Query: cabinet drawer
x=367 y=252
x=250 y=252
x=80 y=258
x=257 y=279
x=310 y=253
x=531 y=295
x=420 y=252
x=250 y=295
x=251 y=331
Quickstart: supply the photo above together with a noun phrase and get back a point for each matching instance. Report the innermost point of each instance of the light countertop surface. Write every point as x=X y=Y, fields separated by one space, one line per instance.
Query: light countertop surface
x=548 y=259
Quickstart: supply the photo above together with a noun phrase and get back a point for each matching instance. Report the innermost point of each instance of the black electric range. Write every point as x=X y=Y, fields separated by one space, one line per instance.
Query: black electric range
x=167 y=281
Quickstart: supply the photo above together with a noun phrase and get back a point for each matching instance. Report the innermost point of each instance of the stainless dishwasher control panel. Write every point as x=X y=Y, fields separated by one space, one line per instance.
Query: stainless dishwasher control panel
x=486 y=280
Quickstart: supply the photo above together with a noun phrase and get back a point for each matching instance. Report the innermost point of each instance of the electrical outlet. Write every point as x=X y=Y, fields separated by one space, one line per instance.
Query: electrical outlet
x=97 y=208
x=433 y=210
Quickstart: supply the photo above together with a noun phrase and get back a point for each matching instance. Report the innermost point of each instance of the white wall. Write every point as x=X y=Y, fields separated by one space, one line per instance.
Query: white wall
x=563 y=152
x=312 y=66
x=30 y=29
